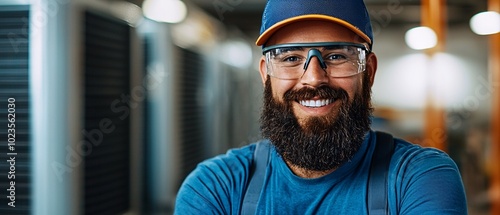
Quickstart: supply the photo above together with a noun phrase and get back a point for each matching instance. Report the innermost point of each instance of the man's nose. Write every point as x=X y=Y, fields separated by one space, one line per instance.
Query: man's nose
x=314 y=74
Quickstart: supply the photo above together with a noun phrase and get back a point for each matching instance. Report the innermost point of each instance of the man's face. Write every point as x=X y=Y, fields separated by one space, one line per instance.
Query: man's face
x=316 y=138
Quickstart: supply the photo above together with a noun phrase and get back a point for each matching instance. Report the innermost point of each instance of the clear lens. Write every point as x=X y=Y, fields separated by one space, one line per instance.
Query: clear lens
x=338 y=60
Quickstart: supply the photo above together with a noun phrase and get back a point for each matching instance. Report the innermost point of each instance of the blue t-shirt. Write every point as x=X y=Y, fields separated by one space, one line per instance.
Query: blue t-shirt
x=421 y=181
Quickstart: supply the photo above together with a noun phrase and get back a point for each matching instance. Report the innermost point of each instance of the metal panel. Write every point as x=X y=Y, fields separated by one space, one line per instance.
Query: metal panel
x=107 y=84
x=192 y=121
x=14 y=78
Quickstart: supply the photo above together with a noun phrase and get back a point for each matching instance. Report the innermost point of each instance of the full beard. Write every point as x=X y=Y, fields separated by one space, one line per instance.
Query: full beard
x=317 y=143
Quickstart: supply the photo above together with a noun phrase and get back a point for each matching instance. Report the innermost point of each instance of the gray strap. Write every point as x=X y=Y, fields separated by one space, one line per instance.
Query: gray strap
x=257 y=174
x=377 y=183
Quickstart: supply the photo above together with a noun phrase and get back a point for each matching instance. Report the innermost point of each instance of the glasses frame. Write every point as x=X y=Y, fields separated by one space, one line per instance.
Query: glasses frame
x=318 y=44
x=362 y=46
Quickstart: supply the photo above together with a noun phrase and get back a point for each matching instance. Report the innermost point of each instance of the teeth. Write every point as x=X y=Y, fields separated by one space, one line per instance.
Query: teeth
x=316 y=103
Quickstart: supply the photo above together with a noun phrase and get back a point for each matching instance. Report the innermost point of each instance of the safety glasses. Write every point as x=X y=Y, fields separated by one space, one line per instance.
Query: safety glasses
x=338 y=59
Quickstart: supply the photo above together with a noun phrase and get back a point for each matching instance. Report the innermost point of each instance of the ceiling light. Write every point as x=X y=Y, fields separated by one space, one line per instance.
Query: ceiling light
x=485 y=23
x=420 y=38
x=170 y=11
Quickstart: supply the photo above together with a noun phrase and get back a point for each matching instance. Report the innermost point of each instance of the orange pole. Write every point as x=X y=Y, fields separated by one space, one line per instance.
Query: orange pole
x=494 y=163
x=433 y=15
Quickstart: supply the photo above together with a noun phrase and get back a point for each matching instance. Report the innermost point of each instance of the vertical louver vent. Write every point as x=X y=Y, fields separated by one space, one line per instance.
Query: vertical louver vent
x=15 y=174
x=191 y=76
x=107 y=99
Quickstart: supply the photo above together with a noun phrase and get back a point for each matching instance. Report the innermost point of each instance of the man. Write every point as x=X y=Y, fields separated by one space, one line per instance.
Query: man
x=318 y=70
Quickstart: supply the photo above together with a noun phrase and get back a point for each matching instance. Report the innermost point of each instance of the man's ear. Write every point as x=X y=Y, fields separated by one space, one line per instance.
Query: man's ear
x=263 y=70
x=371 y=67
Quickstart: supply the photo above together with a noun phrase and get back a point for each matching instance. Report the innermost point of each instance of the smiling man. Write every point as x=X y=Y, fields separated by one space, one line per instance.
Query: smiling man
x=320 y=111
x=319 y=155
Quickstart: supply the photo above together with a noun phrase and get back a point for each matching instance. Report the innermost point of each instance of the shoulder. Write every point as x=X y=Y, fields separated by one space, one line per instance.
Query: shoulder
x=425 y=180
x=226 y=168
x=417 y=161
x=234 y=160
x=412 y=155
x=216 y=183
x=407 y=155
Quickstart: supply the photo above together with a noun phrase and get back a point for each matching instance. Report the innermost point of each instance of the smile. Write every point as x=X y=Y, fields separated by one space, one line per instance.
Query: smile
x=316 y=103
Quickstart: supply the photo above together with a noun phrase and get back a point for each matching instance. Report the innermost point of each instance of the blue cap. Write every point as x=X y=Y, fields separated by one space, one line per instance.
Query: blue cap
x=351 y=14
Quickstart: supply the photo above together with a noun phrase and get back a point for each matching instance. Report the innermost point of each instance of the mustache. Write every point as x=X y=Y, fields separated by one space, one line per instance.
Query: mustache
x=322 y=92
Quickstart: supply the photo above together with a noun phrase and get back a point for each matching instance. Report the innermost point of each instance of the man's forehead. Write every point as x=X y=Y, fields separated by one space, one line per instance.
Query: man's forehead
x=313 y=31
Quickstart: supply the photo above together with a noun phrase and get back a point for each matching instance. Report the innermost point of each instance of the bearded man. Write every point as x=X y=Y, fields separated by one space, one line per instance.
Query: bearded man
x=320 y=153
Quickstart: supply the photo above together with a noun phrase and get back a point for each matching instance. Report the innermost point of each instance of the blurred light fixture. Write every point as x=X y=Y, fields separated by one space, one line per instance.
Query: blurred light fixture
x=170 y=11
x=237 y=53
x=453 y=79
x=195 y=31
x=188 y=33
x=485 y=23
x=420 y=38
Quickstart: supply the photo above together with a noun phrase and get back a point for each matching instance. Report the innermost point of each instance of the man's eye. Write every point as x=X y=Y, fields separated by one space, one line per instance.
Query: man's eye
x=291 y=59
x=335 y=57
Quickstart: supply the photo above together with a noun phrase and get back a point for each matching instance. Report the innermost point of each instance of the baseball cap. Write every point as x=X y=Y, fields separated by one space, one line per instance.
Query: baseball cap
x=351 y=14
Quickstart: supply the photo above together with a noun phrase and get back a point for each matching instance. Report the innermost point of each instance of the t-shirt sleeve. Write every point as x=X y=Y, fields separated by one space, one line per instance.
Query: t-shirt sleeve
x=215 y=186
x=428 y=182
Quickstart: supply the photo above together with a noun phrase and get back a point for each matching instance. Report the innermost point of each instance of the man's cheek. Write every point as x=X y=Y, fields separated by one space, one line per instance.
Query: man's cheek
x=278 y=98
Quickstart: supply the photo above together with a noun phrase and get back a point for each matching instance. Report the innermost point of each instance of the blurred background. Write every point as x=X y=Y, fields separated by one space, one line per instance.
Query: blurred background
x=117 y=101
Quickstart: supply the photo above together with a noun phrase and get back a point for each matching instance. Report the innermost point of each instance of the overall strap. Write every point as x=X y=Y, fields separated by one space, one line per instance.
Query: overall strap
x=377 y=182
x=377 y=187
x=257 y=175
